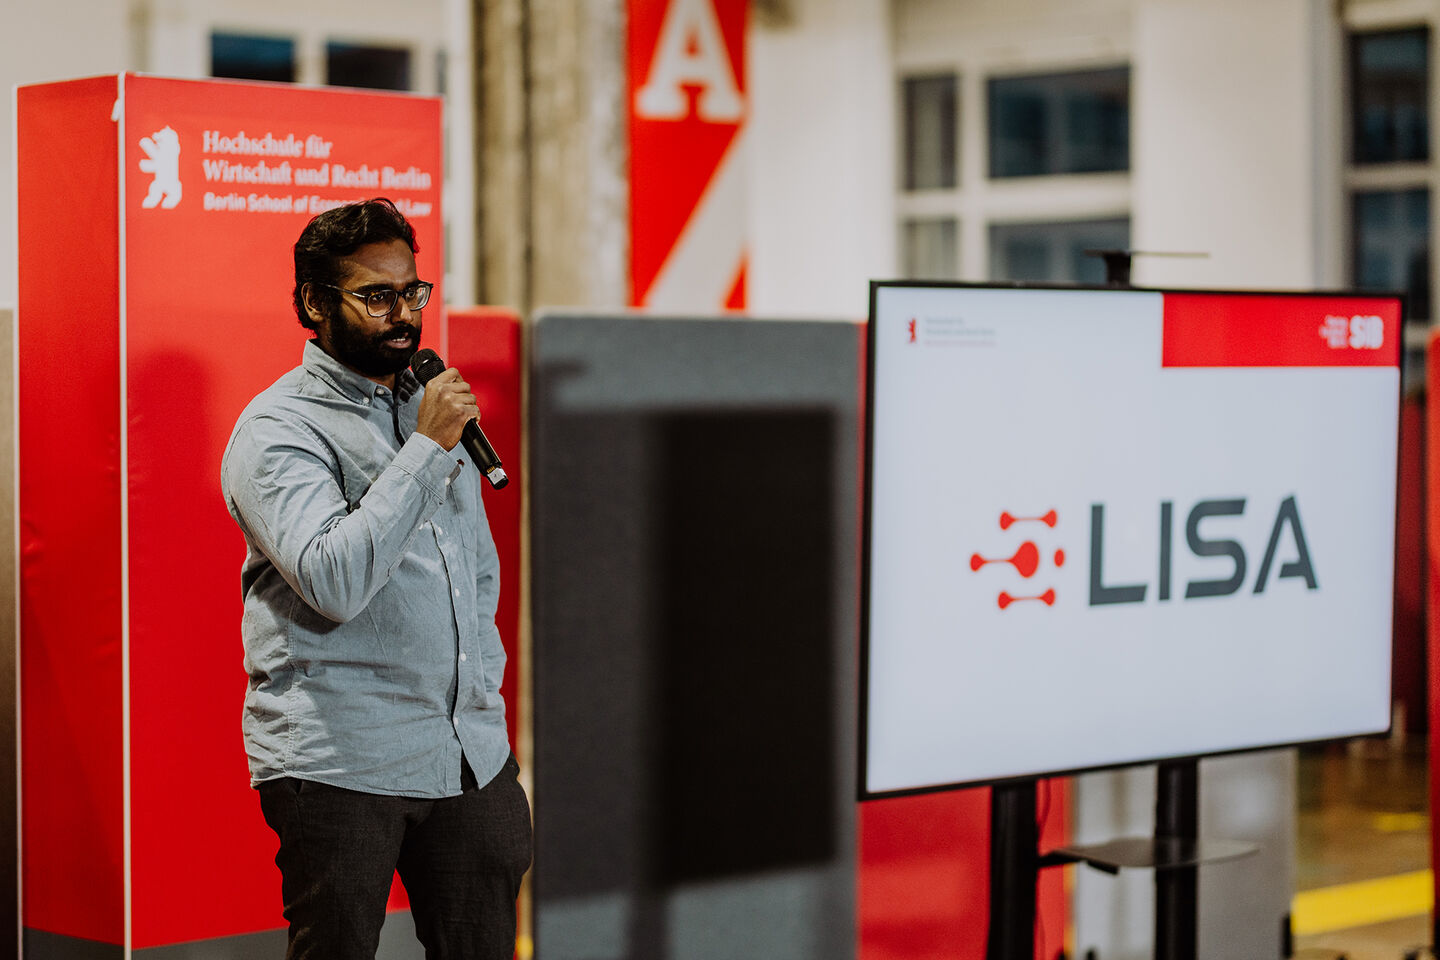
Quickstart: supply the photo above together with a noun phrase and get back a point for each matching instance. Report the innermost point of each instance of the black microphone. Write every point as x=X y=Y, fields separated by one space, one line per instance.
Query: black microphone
x=427 y=365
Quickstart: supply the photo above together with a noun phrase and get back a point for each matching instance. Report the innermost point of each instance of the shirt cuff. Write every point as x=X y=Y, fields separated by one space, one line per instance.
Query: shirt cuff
x=432 y=466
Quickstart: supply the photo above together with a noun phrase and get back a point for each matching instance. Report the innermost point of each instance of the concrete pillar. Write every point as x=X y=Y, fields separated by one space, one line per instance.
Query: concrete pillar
x=822 y=156
x=551 y=153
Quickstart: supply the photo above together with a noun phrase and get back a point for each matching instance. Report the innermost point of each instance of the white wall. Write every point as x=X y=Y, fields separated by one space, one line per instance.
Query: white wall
x=1224 y=130
x=822 y=159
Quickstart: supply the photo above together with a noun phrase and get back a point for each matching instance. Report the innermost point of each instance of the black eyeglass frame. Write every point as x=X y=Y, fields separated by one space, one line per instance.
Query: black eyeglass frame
x=389 y=297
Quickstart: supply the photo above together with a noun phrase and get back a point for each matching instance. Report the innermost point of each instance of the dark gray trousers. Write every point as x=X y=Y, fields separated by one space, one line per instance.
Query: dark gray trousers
x=461 y=860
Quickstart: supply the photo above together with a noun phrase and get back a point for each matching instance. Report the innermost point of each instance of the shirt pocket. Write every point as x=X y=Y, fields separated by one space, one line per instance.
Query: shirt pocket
x=469 y=515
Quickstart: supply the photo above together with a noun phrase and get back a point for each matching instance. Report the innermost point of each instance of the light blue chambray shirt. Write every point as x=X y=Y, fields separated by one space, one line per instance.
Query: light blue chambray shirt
x=370 y=583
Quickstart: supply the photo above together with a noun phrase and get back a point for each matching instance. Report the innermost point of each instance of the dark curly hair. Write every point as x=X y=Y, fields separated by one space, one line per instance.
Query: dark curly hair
x=335 y=234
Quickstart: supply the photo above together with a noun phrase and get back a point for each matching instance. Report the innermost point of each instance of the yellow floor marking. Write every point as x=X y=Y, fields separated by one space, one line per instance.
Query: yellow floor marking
x=1362 y=903
x=1400 y=822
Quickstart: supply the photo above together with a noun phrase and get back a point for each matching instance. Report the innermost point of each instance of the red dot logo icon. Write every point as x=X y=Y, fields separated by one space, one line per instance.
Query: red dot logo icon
x=1008 y=520
x=1047 y=598
x=1027 y=559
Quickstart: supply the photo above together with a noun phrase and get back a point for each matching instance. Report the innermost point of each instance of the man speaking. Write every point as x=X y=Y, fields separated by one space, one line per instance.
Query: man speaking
x=373 y=720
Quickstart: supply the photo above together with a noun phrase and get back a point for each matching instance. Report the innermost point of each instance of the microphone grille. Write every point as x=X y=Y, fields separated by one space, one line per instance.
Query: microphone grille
x=426 y=365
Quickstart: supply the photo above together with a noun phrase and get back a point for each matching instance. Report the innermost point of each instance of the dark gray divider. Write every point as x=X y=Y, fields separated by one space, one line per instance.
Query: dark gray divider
x=695 y=520
x=397 y=942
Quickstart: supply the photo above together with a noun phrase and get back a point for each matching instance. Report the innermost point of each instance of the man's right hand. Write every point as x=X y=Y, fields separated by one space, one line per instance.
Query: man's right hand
x=445 y=408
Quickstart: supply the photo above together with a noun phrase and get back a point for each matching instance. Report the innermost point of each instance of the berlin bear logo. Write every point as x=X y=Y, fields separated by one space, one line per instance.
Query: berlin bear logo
x=162 y=159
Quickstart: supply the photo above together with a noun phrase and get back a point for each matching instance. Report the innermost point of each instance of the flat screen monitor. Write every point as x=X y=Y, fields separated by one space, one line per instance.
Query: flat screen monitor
x=1106 y=527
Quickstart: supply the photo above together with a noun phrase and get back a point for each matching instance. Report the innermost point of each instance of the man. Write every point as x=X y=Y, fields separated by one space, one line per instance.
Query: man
x=373 y=720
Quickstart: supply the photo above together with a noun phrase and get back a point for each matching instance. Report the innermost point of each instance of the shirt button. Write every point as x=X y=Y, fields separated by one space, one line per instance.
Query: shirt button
x=457 y=591
x=462 y=658
x=365 y=400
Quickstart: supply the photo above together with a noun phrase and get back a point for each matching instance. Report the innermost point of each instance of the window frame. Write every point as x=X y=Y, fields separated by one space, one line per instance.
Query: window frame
x=979 y=200
x=1357 y=178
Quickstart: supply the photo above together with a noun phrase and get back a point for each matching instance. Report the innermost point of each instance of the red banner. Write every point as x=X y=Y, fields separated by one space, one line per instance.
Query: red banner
x=1266 y=330
x=219 y=179
x=158 y=219
x=687 y=114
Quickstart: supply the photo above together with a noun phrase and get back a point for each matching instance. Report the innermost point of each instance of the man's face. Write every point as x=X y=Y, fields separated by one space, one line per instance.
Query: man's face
x=375 y=347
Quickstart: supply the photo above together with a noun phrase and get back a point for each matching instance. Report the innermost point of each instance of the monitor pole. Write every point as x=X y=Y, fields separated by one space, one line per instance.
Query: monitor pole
x=1014 y=870
x=1177 y=829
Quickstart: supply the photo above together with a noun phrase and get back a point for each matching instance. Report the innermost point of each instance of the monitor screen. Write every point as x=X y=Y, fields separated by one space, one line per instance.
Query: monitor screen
x=1109 y=527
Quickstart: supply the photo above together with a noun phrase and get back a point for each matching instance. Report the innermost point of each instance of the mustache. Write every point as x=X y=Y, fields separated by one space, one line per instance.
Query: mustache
x=399 y=330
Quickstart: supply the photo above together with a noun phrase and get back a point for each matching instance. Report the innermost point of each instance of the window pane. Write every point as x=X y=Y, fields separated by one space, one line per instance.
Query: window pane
x=1389 y=83
x=1055 y=252
x=930 y=122
x=243 y=57
x=1060 y=123
x=931 y=249
x=1392 y=245
x=356 y=65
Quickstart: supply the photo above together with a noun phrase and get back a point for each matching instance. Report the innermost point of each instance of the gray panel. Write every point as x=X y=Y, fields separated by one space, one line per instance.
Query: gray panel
x=397 y=942
x=251 y=946
x=1244 y=903
x=40 y=945
x=694 y=531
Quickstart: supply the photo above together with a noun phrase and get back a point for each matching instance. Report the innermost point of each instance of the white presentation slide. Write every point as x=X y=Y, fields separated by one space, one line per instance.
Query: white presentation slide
x=1111 y=527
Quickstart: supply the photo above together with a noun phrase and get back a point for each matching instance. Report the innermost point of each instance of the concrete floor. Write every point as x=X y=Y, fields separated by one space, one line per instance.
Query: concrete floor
x=1363 y=844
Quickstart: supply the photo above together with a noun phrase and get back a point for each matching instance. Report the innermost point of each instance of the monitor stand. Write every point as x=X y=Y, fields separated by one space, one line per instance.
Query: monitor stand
x=1174 y=852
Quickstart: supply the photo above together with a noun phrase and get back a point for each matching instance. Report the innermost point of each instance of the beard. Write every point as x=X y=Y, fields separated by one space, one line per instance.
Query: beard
x=369 y=354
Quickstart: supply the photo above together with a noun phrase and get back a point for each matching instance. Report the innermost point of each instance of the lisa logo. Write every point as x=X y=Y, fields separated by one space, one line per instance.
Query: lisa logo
x=162 y=160
x=1026 y=560
x=1207 y=512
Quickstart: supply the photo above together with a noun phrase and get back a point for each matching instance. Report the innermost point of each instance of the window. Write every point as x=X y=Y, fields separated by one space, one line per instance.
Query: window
x=1060 y=123
x=1055 y=252
x=1391 y=245
x=247 y=57
x=1389 y=93
x=930 y=249
x=930 y=122
x=1391 y=178
x=358 y=65
x=965 y=208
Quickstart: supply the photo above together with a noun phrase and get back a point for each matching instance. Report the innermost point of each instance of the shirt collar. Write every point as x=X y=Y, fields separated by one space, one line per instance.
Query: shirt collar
x=347 y=382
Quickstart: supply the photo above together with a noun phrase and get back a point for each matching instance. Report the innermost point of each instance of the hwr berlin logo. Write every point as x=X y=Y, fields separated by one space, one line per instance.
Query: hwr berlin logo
x=162 y=159
x=1026 y=560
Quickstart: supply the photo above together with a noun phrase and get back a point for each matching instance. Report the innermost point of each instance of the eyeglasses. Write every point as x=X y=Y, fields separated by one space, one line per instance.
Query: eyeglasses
x=379 y=303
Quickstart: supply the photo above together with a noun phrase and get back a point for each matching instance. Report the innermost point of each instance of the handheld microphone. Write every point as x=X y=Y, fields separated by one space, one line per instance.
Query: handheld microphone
x=426 y=365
